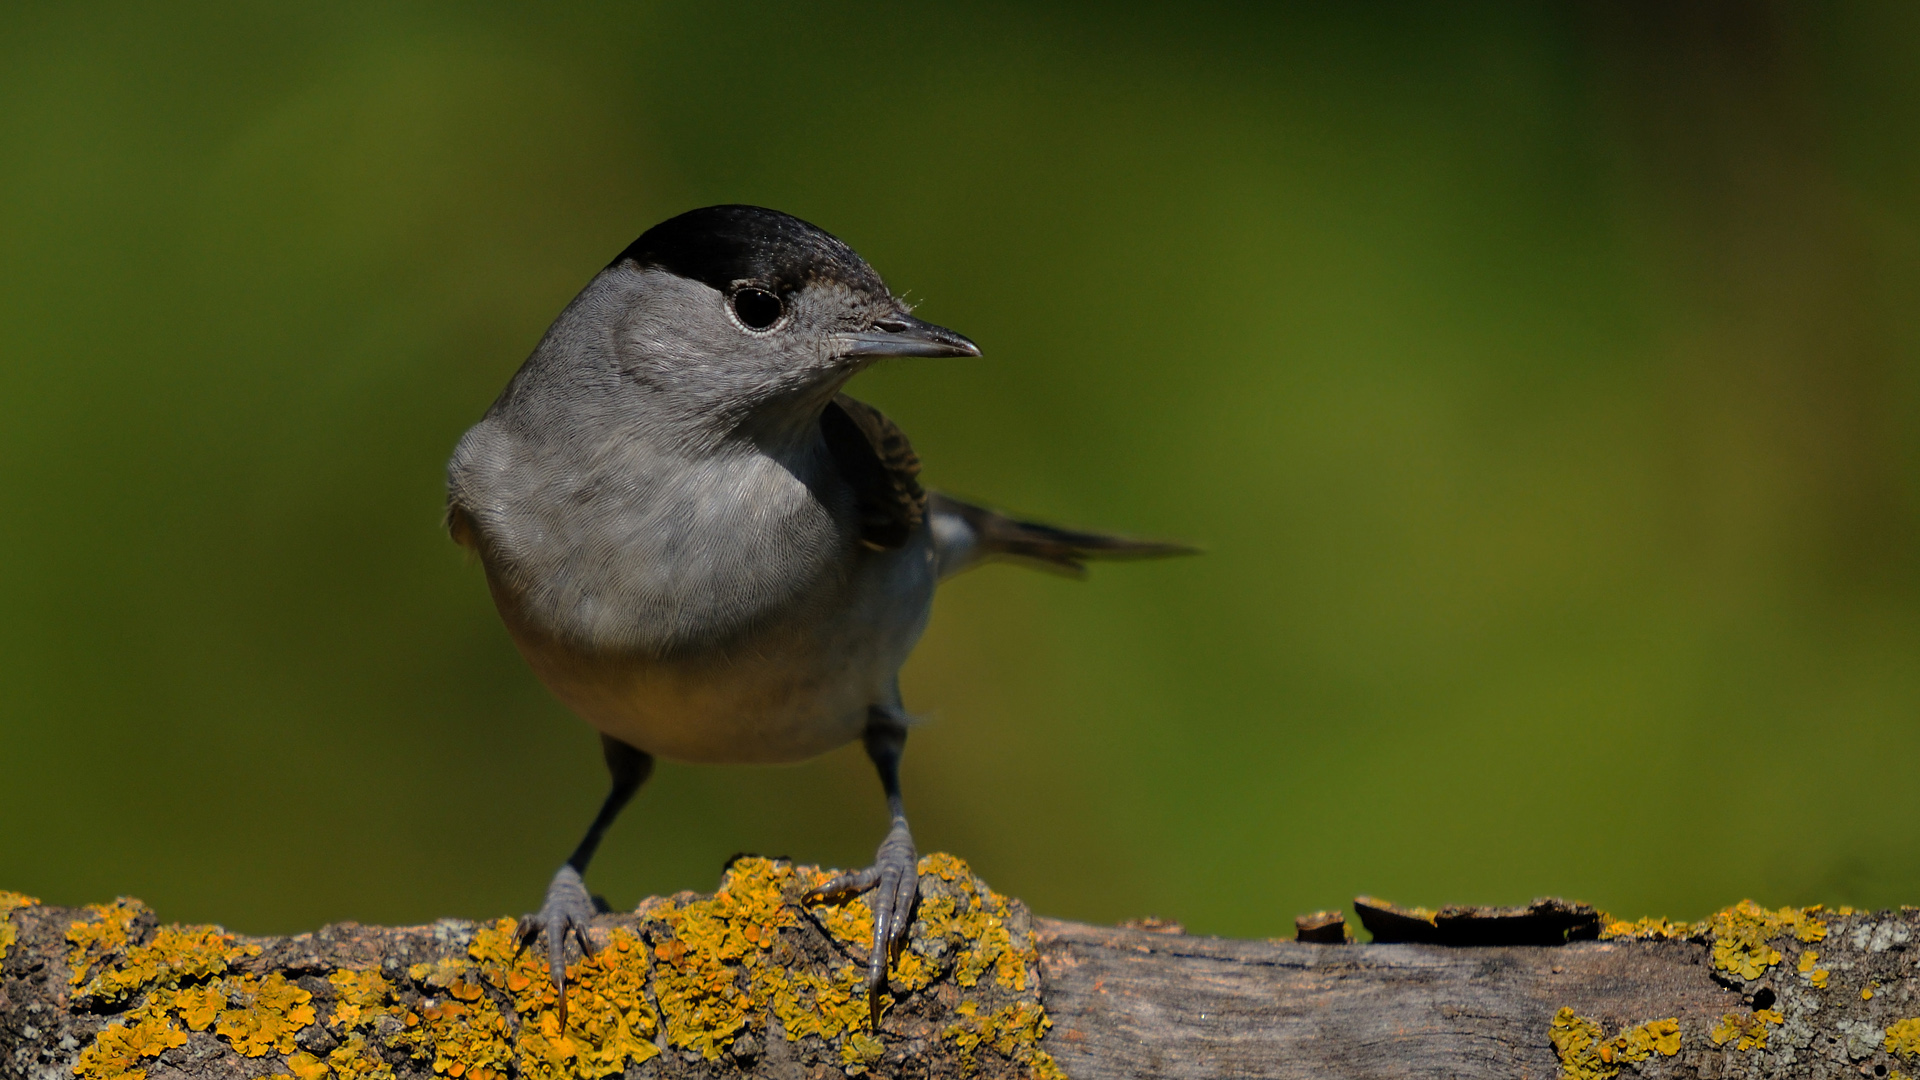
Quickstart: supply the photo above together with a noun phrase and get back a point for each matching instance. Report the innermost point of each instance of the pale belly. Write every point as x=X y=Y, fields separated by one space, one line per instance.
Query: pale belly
x=793 y=691
x=742 y=709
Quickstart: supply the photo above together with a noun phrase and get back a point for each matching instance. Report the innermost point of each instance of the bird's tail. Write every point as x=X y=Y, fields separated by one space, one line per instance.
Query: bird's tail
x=966 y=535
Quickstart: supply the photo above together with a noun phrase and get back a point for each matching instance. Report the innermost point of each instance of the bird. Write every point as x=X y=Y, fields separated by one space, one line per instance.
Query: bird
x=705 y=548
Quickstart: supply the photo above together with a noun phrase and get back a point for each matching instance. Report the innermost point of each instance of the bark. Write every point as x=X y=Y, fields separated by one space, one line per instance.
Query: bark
x=1750 y=993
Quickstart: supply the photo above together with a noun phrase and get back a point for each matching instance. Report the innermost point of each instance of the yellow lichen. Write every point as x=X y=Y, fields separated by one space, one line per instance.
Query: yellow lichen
x=975 y=928
x=609 y=1021
x=697 y=978
x=1741 y=934
x=704 y=949
x=255 y=1015
x=93 y=940
x=849 y=921
x=1809 y=966
x=9 y=903
x=1903 y=1038
x=350 y=1061
x=860 y=1052
x=263 y=1014
x=715 y=966
x=176 y=954
x=1585 y=1055
x=442 y=973
x=304 y=1066
x=359 y=996
x=1013 y=1031
x=913 y=971
x=809 y=1004
x=116 y=1053
x=461 y=1038
x=496 y=952
x=1750 y=1030
x=1653 y=928
x=200 y=1006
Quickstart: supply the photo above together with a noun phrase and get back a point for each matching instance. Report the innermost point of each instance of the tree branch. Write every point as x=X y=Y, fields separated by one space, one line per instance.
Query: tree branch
x=750 y=981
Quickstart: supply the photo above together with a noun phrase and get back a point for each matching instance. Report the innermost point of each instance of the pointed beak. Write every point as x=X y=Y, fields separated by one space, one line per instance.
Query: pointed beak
x=903 y=335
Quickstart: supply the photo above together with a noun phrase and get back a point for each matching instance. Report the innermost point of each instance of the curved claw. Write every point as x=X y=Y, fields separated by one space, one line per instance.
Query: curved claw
x=568 y=910
x=894 y=879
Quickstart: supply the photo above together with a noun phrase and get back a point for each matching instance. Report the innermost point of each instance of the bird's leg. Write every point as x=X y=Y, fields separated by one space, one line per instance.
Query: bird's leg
x=894 y=876
x=568 y=908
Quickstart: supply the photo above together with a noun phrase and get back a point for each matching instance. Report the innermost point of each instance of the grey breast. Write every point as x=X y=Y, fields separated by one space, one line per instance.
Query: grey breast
x=617 y=525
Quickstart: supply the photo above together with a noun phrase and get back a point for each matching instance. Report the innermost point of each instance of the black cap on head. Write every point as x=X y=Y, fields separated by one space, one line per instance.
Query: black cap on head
x=720 y=245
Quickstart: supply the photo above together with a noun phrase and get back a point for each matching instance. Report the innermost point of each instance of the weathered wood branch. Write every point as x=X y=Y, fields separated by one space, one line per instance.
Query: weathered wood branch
x=752 y=982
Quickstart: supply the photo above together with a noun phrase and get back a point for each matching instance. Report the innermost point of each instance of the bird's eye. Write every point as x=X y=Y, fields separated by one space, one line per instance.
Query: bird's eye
x=757 y=309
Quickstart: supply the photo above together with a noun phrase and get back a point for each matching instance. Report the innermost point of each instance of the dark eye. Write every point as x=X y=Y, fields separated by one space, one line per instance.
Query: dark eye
x=757 y=308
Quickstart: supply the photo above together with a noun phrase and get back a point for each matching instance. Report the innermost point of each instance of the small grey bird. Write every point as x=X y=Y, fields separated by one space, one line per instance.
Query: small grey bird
x=707 y=550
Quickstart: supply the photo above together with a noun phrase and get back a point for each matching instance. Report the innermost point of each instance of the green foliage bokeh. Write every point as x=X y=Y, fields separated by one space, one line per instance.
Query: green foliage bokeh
x=1541 y=385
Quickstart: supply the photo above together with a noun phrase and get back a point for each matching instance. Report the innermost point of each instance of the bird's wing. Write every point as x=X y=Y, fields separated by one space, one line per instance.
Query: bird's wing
x=966 y=535
x=877 y=461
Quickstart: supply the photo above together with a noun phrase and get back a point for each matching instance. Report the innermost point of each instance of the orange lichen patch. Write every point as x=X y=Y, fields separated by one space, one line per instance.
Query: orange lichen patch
x=1651 y=929
x=913 y=971
x=176 y=954
x=263 y=1014
x=1903 y=1038
x=610 y=1024
x=1576 y=1042
x=860 y=1052
x=1809 y=966
x=1750 y=1030
x=1585 y=1055
x=95 y=939
x=694 y=973
x=696 y=980
x=463 y=1039
x=849 y=921
x=1741 y=935
x=442 y=973
x=9 y=903
x=118 y=1050
x=350 y=1061
x=974 y=927
x=498 y=957
x=360 y=995
x=1014 y=1031
x=964 y=930
x=1653 y=1037
x=304 y=1066
x=199 y=1007
x=809 y=1004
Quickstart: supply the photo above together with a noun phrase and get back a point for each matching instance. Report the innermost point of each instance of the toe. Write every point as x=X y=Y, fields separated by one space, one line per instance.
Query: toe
x=846 y=885
x=568 y=911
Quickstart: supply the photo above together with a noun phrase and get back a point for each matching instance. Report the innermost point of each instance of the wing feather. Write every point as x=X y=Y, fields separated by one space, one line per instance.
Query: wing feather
x=876 y=460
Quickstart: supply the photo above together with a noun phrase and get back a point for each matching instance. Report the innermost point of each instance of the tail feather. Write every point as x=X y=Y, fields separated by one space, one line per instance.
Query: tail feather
x=966 y=535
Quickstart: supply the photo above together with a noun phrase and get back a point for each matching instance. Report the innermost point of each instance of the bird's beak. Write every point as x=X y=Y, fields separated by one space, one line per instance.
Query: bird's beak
x=904 y=335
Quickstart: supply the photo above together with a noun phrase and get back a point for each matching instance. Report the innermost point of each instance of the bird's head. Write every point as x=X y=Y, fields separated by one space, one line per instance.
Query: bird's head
x=736 y=311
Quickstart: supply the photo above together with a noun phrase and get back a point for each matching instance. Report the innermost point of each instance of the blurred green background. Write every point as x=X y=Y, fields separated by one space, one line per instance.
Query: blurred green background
x=1541 y=379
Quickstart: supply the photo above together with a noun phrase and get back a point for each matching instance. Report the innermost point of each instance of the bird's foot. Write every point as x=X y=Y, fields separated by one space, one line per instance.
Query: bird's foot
x=894 y=879
x=568 y=910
